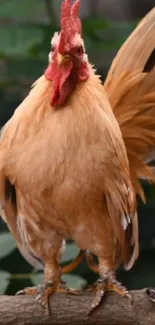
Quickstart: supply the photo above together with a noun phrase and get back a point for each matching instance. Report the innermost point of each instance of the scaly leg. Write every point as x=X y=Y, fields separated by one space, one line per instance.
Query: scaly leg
x=91 y=262
x=52 y=283
x=107 y=282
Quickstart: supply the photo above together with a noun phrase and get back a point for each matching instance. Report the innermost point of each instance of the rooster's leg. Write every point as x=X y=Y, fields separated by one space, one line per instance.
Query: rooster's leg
x=52 y=283
x=107 y=282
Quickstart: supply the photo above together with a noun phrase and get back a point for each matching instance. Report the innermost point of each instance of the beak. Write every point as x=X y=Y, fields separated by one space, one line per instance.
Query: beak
x=63 y=58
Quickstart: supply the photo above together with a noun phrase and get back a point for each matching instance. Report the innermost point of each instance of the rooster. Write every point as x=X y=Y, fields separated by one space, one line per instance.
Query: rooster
x=78 y=186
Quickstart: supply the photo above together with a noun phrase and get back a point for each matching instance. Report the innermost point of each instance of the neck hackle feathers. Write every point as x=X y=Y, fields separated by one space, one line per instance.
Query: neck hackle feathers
x=70 y=22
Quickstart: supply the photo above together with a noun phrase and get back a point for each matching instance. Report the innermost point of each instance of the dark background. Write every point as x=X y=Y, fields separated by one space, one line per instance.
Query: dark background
x=26 y=28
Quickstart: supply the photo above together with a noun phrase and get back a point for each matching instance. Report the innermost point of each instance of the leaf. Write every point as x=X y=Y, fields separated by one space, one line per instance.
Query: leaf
x=91 y=23
x=7 y=244
x=27 y=68
x=37 y=278
x=18 y=39
x=70 y=253
x=23 y=10
x=74 y=281
x=4 y=281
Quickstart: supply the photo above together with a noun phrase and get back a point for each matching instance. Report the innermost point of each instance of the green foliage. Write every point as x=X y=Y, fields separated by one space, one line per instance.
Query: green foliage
x=70 y=252
x=7 y=244
x=26 y=29
x=4 y=281
x=74 y=281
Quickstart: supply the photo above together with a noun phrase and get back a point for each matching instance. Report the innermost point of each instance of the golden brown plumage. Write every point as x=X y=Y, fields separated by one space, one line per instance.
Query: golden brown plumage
x=64 y=171
x=130 y=86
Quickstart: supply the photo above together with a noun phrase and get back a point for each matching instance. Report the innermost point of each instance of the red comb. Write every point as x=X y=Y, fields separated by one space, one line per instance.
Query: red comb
x=74 y=14
x=75 y=9
x=70 y=23
x=65 y=13
x=69 y=17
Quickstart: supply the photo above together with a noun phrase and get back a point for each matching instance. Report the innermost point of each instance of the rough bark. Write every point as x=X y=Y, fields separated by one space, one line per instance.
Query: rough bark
x=69 y=309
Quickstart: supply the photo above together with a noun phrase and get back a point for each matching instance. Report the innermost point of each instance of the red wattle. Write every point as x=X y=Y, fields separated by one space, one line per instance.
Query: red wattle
x=48 y=72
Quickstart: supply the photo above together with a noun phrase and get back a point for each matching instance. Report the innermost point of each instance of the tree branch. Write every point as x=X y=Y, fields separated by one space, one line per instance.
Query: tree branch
x=69 y=309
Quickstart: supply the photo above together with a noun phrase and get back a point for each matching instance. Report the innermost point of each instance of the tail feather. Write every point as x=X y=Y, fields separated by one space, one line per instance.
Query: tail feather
x=130 y=86
x=134 y=243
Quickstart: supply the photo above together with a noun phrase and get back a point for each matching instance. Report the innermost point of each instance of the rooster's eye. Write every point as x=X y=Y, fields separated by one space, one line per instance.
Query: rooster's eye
x=80 y=50
x=52 y=48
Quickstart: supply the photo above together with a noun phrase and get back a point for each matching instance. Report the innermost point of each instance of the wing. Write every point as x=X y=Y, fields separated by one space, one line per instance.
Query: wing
x=130 y=85
x=121 y=204
x=8 y=212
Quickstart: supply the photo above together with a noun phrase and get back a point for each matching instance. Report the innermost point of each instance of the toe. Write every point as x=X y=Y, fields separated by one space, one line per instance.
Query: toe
x=114 y=285
x=28 y=291
x=100 y=288
x=96 y=301
x=63 y=288
x=20 y=292
x=43 y=300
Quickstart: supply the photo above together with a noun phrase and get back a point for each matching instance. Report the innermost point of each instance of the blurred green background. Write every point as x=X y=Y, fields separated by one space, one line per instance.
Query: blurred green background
x=26 y=28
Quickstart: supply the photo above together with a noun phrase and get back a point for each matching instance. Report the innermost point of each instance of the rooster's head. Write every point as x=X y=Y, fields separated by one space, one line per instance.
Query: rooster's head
x=68 y=61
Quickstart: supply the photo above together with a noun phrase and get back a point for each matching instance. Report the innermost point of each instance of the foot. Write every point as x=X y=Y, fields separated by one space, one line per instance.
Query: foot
x=102 y=286
x=44 y=292
x=114 y=285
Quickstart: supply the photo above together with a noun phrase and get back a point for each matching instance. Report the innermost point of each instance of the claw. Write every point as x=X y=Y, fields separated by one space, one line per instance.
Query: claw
x=74 y=291
x=39 y=297
x=104 y=285
x=20 y=292
x=43 y=292
x=27 y=291
x=43 y=303
x=128 y=295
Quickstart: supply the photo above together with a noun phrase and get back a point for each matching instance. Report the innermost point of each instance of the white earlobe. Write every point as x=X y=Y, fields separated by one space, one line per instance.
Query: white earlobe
x=85 y=58
x=50 y=58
